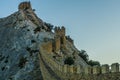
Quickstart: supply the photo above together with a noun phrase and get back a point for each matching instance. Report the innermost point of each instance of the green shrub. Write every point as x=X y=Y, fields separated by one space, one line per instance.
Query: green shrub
x=69 y=61
x=83 y=54
x=93 y=63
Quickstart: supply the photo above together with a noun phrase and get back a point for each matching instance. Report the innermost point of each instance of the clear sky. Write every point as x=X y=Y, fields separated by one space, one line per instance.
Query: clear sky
x=93 y=24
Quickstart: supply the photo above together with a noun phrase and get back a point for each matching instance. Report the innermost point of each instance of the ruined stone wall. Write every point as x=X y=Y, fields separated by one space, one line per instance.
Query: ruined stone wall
x=24 y=5
x=73 y=72
x=59 y=69
x=47 y=46
x=60 y=32
x=56 y=45
x=103 y=69
x=52 y=46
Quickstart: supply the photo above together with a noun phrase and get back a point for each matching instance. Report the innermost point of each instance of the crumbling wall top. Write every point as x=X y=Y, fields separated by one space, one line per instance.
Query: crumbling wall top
x=24 y=5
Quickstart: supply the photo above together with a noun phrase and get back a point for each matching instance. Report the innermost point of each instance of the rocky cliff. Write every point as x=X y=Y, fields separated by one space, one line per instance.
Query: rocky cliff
x=23 y=40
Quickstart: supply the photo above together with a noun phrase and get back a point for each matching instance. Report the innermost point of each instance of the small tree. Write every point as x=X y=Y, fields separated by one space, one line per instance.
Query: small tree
x=49 y=26
x=93 y=63
x=69 y=61
x=83 y=54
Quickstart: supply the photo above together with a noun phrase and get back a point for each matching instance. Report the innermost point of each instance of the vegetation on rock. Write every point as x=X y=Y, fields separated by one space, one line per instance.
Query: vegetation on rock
x=85 y=57
x=69 y=61
x=93 y=63
x=49 y=26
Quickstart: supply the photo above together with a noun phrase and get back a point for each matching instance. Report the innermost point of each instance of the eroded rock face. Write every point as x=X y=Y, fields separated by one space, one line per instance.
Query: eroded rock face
x=19 y=51
x=21 y=35
x=18 y=54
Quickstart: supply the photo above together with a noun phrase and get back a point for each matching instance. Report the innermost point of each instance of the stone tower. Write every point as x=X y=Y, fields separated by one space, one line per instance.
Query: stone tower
x=60 y=32
x=24 y=6
x=57 y=44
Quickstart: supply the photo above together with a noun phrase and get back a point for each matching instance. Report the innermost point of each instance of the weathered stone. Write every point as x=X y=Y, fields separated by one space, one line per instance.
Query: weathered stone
x=105 y=68
x=65 y=68
x=59 y=67
x=47 y=46
x=56 y=45
x=88 y=70
x=115 y=67
x=71 y=68
x=24 y=5
x=75 y=69
x=60 y=32
x=22 y=34
x=96 y=69
x=19 y=45
x=78 y=69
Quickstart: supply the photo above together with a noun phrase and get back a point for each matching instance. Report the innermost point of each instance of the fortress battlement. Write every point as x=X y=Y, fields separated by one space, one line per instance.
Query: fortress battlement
x=24 y=5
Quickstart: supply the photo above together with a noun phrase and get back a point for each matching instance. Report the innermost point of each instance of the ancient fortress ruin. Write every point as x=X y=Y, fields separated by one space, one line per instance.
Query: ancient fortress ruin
x=24 y=5
x=55 y=45
x=60 y=41
x=34 y=52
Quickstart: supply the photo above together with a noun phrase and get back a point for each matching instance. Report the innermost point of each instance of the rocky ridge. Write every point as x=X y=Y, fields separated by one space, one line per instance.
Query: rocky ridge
x=22 y=33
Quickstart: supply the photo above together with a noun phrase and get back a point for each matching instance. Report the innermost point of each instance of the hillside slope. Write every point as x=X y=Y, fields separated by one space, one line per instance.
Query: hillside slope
x=21 y=36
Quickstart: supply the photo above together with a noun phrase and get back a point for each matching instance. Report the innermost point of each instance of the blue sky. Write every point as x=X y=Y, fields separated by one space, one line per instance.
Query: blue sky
x=93 y=24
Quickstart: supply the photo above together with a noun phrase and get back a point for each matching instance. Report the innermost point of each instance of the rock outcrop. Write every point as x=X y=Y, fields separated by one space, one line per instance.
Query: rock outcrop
x=29 y=51
x=19 y=51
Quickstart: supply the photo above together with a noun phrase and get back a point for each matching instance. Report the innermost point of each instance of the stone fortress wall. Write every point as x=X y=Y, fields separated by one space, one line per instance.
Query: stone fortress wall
x=50 y=46
x=78 y=69
x=55 y=45
x=72 y=72
x=24 y=5
x=58 y=42
x=60 y=32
